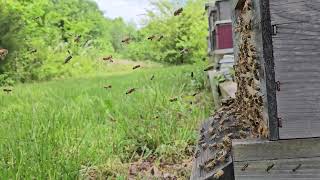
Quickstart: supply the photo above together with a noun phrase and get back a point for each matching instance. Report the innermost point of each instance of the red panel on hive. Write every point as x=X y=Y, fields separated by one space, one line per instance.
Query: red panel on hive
x=224 y=36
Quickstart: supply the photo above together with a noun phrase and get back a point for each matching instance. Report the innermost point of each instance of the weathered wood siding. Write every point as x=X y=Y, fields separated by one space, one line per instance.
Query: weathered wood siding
x=261 y=39
x=296 y=47
x=284 y=159
x=224 y=9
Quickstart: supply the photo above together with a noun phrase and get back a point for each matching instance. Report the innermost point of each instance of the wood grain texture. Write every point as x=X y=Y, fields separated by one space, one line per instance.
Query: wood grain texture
x=256 y=150
x=267 y=62
x=206 y=154
x=297 y=64
x=283 y=169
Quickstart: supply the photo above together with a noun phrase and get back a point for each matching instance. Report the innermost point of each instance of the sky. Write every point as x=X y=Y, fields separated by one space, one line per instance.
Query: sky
x=129 y=10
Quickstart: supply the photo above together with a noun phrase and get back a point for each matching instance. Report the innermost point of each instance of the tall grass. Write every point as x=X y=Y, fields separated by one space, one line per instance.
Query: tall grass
x=51 y=130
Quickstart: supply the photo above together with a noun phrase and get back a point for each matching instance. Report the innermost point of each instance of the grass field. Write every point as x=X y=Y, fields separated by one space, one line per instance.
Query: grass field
x=53 y=130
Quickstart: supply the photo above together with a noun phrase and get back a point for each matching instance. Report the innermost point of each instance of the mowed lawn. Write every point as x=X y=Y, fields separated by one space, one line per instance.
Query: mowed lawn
x=52 y=130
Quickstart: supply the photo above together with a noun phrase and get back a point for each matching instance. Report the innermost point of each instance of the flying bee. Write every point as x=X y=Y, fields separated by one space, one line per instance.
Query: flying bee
x=151 y=37
x=194 y=94
x=160 y=38
x=33 y=51
x=109 y=58
x=130 y=91
x=136 y=67
x=218 y=174
x=178 y=12
x=192 y=74
x=108 y=87
x=3 y=53
x=173 y=99
x=152 y=77
x=208 y=68
x=68 y=58
x=126 y=40
x=184 y=51
x=7 y=90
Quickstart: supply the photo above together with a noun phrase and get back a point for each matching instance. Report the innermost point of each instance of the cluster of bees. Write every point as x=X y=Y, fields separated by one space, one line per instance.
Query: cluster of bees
x=216 y=138
x=241 y=117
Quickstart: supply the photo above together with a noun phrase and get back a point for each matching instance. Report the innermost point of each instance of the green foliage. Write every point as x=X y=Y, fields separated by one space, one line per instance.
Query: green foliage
x=53 y=130
x=38 y=35
x=185 y=32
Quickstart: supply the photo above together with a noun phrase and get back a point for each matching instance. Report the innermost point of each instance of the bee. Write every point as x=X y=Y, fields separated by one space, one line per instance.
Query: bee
x=151 y=37
x=296 y=168
x=152 y=77
x=3 y=53
x=184 y=51
x=68 y=58
x=197 y=153
x=269 y=167
x=211 y=164
x=33 y=51
x=77 y=39
x=208 y=68
x=247 y=5
x=130 y=91
x=173 y=99
x=213 y=146
x=204 y=146
x=126 y=40
x=112 y=119
x=244 y=167
x=136 y=67
x=160 y=38
x=218 y=174
x=192 y=74
x=202 y=130
x=7 y=90
x=194 y=94
x=108 y=87
x=109 y=58
x=178 y=12
x=210 y=131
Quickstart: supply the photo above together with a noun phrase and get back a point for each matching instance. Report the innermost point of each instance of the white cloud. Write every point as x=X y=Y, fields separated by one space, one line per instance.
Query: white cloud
x=129 y=10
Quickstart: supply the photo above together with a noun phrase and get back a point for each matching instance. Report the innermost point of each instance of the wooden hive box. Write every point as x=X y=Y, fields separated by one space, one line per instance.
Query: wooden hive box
x=286 y=36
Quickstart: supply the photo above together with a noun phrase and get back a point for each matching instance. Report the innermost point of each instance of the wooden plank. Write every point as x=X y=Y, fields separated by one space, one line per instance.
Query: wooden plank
x=283 y=169
x=199 y=173
x=256 y=150
x=296 y=56
x=263 y=41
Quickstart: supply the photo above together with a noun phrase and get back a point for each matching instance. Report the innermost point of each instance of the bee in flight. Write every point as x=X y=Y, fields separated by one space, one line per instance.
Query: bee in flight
x=209 y=68
x=173 y=99
x=3 y=53
x=109 y=58
x=130 y=91
x=178 y=12
x=108 y=87
x=7 y=90
x=136 y=67
x=126 y=40
x=68 y=58
x=160 y=38
x=151 y=37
